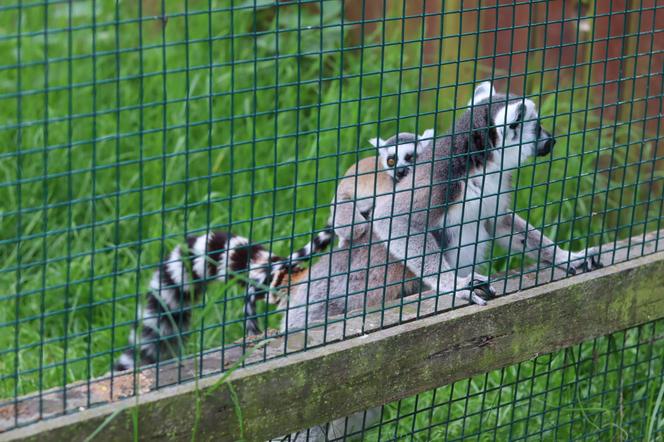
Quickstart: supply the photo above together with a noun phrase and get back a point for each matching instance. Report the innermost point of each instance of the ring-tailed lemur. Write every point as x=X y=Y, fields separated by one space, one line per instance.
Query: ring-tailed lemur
x=217 y=256
x=346 y=278
x=352 y=205
x=461 y=189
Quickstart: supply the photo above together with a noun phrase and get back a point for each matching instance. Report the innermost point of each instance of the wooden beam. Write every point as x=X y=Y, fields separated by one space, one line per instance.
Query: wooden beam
x=316 y=386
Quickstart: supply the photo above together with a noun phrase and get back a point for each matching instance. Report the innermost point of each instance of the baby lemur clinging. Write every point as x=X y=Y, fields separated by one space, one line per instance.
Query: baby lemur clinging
x=352 y=205
x=354 y=199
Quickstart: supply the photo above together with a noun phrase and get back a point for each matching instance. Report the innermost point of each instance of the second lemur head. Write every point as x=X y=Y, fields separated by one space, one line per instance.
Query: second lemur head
x=398 y=153
x=505 y=128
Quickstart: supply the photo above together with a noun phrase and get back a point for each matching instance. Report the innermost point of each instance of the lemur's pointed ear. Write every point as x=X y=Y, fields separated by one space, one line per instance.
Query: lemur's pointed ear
x=376 y=142
x=426 y=137
x=482 y=91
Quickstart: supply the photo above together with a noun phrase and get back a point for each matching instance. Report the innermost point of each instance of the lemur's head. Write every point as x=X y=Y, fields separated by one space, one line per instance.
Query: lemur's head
x=514 y=133
x=398 y=153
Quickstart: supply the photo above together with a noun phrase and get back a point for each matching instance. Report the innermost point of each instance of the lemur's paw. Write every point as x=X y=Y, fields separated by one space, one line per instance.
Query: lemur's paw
x=360 y=229
x=471 y=296
x=252 y=327
x=354 y=232
x=477 y=290
x=484 y=286
x=477 y=299
x=584 y=262
x=480 y=282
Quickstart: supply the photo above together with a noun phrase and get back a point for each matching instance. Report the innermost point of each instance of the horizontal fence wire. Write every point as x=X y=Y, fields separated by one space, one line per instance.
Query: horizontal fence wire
x=159 y=158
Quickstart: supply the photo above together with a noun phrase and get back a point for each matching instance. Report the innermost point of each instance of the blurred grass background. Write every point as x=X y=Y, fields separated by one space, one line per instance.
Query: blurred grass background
x=128 y=125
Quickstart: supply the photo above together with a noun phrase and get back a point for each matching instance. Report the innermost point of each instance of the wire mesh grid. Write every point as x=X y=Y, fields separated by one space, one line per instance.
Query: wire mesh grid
x=134 y=131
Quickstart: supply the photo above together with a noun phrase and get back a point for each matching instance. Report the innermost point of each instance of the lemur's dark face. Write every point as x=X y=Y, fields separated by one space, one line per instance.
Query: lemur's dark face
x=518 y=134
x=399 y=152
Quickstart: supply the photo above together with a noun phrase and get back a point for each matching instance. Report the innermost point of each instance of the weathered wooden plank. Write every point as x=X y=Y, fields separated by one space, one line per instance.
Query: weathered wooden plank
x=308 y=388
x=82 y=395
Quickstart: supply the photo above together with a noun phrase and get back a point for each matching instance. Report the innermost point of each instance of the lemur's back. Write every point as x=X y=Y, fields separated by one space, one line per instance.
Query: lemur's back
x=367 y=277
x=347 y=279
x=362 y=181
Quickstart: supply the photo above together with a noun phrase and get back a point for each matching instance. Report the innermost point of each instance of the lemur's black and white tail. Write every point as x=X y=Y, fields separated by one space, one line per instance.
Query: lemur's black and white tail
x=319 y=243
x=180 y=280
x=177 y=283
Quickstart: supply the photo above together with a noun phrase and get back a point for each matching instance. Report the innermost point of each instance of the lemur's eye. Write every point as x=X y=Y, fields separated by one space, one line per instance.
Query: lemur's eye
x=391 y=161
x=409 y=157
x=519 y=118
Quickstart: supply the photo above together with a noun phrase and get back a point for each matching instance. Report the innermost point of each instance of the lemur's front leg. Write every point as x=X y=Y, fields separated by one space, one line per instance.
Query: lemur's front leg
x=423 y=256
x=514 y=233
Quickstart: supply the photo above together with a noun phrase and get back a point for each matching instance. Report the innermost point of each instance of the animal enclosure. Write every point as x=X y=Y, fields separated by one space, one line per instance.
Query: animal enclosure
x=131 y=132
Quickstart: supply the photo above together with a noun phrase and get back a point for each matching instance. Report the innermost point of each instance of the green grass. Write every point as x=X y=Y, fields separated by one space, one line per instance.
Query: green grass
x=128 y=139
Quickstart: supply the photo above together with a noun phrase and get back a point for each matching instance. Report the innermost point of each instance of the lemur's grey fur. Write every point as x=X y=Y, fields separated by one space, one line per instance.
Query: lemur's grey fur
x=346 y=279
x=461 y=190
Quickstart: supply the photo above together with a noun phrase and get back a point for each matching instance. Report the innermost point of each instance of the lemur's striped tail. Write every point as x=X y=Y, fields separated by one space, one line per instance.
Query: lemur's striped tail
x=180 y=280
x=177 y=283
x=320 y=242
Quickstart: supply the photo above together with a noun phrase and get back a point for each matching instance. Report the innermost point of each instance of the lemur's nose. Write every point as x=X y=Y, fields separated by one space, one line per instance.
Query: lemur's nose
x=545 y=146
x=401 y=172
x=550 y=143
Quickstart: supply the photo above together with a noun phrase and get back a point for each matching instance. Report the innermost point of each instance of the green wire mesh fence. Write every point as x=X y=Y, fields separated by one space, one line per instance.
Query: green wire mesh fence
x=132 y=131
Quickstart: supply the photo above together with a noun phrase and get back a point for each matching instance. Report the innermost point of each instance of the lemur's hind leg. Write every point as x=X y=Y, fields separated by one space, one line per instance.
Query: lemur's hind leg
x=514 y=233
x=251 y=321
